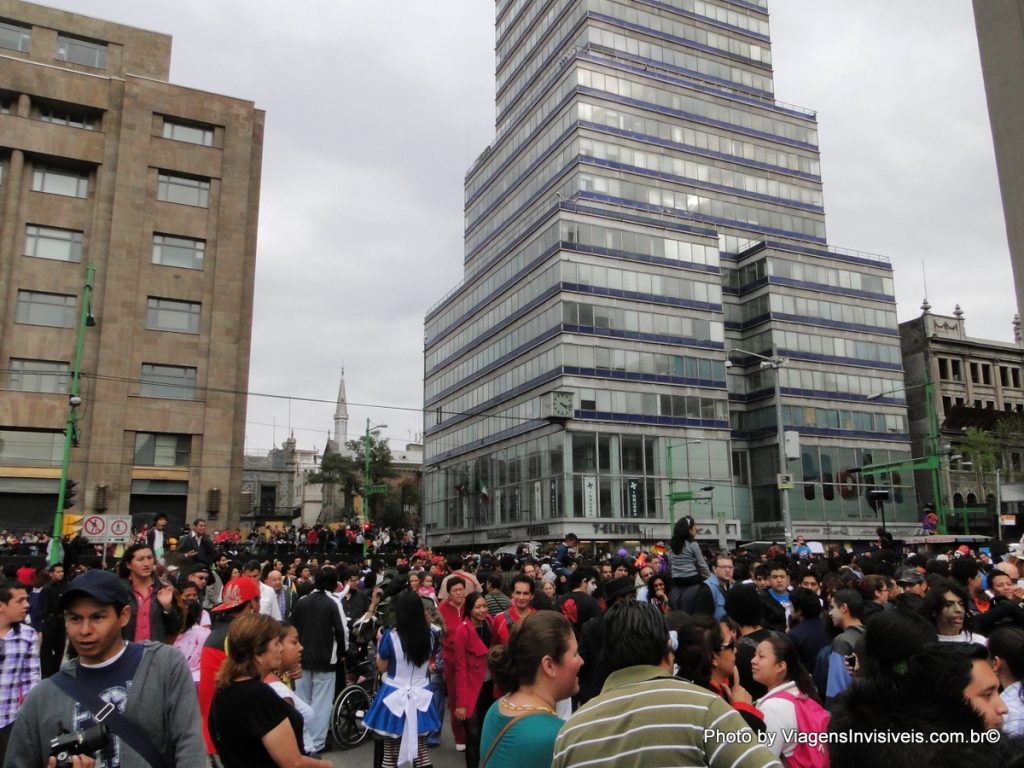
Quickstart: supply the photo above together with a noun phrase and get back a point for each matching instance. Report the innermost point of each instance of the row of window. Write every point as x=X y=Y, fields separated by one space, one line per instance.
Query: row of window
x=826 y=346
x=681 y=329
x=698 y=407
x=484 y=322
x=821 y=418
x=625 y=242
x=171 y=188
x=57 y=310
x=514 y=338
x=981 y=373
x=173 y=382
x=681 y=61
x=76 y=50
x=513 y=267
x=607 y=360
x=527 y=60
x=684 y=171
x=850 y=314
x=61 y=244
x=612 y=185
x=752 y=272
x=665 y=25
x=696 y=139
x=20 y=447
x=497 y=388
x=817 y=381
x=649 y=286
x=949 y=402
x=701 y=106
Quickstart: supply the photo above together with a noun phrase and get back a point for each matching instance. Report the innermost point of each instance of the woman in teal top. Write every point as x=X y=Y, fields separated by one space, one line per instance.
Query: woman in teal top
x=537 y=668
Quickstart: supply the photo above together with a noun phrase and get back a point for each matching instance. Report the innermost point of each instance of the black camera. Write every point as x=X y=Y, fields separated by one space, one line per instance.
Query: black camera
x=67 y=745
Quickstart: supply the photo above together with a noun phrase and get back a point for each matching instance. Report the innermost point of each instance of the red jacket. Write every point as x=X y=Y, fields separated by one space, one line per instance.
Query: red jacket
x=470 y=664
x=452 y=619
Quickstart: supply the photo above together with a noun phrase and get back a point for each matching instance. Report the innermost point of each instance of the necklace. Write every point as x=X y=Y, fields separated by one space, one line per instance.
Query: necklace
x=524 y=707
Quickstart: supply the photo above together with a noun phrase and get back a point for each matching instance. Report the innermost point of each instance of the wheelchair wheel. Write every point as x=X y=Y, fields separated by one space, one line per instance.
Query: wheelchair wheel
x=347 y=716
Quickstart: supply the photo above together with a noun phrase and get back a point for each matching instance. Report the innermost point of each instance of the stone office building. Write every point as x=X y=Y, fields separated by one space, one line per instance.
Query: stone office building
x=103 y=162
x=647 y=212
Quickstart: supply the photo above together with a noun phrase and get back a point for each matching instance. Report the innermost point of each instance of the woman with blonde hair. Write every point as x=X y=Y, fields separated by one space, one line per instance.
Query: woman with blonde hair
x=251 y=726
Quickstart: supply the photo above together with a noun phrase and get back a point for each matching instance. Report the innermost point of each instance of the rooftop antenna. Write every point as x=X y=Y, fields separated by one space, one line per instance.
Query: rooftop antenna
x=924 y=279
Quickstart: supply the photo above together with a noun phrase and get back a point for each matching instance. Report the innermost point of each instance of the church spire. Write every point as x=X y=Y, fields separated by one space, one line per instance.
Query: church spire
x=341 y=415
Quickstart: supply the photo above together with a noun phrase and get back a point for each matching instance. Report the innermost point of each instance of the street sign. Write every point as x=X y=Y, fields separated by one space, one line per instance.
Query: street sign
x=784 y=482
x=94 y=526
x=372 y=489
x=114 y=529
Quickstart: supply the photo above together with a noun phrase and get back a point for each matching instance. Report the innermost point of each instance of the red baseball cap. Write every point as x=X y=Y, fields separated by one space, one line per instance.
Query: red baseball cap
x=237 y=592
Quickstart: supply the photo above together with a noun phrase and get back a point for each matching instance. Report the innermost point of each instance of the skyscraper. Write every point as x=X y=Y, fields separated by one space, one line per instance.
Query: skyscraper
x=104 y=162
x=648 y=218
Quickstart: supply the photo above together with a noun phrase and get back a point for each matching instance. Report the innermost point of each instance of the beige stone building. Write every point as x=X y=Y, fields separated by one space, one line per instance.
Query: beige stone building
x=104 y=162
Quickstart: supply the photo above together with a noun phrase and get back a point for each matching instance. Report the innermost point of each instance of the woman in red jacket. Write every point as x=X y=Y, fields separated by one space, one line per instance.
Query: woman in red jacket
x=473 y=686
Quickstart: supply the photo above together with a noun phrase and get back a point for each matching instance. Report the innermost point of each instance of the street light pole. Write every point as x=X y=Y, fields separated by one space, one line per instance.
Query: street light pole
x=71 y=426
x=673 y=497
x=775 y=362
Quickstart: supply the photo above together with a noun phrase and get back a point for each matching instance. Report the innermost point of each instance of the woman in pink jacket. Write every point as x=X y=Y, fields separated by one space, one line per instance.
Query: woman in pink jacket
x=473 y=686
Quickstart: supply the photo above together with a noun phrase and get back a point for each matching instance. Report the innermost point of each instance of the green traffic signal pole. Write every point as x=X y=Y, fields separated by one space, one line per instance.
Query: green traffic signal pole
x=368 y=490
x=931 y=461
x=71 y=427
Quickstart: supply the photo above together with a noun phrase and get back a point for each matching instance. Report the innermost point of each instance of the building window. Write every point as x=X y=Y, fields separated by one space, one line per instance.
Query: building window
x=53 y=309
x=78 y=51
x=171 y=251
x=15 y=37
x=64 y=115
x=954 y=366
x=60 y=181
x=171 y=315
x=173 y=382
x=193 y=133
x=183 y=190
x=986 y=374
x=943 y=368
x=1004 y=376
x=155 y=450
x=22 y=446
x=53 y=243
x=947 y=404
x=1015 y=377
x=975 y=378
x=39 y=375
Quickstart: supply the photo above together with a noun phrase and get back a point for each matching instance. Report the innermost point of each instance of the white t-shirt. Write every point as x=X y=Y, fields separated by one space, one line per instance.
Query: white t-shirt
x=965 y=637
x=303 y=709
x=779 y=716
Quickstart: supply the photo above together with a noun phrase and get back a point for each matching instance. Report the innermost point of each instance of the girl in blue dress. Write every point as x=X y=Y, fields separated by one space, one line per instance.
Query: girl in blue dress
x=403 y=711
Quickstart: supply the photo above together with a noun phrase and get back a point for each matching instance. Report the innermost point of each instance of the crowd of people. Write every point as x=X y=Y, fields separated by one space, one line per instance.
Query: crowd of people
x=677 y=655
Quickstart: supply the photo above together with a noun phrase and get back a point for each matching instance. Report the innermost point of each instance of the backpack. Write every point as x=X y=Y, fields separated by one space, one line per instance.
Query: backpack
x=811 y=717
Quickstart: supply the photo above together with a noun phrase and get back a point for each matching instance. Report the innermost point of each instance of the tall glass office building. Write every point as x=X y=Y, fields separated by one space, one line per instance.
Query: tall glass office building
x=647 y=213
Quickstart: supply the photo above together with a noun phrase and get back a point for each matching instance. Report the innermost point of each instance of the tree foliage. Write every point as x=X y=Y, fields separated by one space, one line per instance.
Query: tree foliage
x=380 y=457
x=338 y=470
x=983 y=449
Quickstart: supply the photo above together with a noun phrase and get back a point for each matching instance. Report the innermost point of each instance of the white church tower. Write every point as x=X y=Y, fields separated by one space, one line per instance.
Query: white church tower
x=341 y=417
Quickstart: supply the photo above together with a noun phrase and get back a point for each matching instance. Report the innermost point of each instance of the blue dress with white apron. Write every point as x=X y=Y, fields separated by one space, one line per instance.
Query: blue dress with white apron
x=404 y=692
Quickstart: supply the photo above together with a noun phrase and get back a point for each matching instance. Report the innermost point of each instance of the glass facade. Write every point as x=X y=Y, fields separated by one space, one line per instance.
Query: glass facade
x=646 y=215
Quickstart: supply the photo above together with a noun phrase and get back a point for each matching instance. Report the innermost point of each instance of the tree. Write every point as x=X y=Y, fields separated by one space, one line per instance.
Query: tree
x=982 y=448
x=380 y=457
x=339 y=475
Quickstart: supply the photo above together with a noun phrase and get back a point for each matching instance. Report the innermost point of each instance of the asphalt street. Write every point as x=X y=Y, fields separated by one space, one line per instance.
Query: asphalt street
x=444 y=756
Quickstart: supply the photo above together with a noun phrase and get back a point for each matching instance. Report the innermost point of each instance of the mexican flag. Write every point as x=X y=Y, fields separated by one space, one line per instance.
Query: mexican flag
x=485 y=496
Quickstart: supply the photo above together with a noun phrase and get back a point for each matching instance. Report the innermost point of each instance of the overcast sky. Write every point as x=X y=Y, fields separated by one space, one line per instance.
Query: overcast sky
x=376 y=109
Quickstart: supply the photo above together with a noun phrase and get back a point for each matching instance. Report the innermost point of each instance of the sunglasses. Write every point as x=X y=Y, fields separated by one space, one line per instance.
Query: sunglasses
x=730 y=646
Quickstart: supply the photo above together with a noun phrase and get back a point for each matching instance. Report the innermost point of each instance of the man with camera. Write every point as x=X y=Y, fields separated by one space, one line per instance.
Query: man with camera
x=142 y=693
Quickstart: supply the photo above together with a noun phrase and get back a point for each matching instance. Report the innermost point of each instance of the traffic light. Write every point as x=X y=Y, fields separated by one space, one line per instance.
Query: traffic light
x=69 y=493
x=72 y=525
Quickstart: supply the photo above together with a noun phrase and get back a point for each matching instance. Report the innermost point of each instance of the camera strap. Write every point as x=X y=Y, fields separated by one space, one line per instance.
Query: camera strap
x=110 y=716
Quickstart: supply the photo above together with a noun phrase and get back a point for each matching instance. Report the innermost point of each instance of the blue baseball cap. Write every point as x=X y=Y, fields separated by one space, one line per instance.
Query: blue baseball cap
x=102 y=586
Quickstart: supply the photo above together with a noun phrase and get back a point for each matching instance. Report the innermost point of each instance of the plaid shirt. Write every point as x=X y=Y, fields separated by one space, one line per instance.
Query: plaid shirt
x=19 y=670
